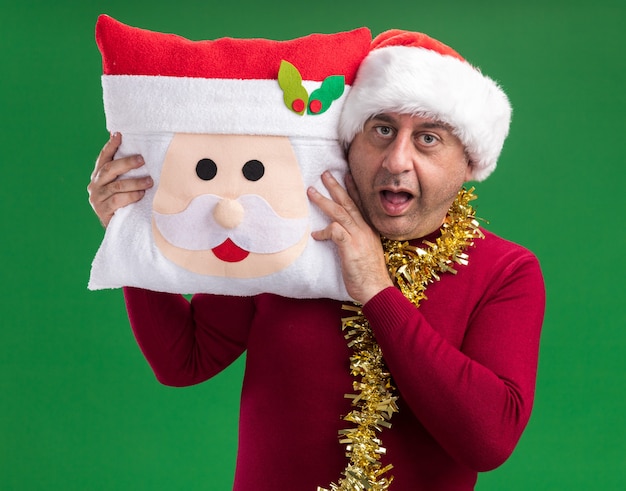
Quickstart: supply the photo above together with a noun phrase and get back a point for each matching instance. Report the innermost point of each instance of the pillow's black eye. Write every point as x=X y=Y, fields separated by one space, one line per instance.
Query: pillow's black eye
x=206 y=169
x=253 y=170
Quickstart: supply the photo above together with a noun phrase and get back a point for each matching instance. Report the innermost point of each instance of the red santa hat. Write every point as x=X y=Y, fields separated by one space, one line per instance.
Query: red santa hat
x=410 y=72
x=157 y=82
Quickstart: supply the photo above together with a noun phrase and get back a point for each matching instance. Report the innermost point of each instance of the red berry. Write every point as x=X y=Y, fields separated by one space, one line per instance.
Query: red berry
x=297 y=105
x=315 y=106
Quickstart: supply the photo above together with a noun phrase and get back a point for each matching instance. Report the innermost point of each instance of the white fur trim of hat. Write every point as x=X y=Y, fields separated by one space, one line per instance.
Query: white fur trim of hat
x=435 y=82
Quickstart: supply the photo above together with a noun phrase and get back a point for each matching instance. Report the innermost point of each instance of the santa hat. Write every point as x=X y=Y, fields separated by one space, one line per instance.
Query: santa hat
x=410 y=72
x=157 y=82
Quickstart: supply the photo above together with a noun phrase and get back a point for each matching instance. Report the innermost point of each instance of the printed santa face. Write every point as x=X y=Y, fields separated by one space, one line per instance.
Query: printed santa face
x=232 y=132
x=231 y=205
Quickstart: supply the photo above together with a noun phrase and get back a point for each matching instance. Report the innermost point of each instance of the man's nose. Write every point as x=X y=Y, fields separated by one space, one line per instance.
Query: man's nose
x=228 y=213
x=399 y=156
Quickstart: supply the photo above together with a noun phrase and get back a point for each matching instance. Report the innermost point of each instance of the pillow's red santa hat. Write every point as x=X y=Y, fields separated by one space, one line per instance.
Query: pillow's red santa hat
x=410 y=72
x=158 y=82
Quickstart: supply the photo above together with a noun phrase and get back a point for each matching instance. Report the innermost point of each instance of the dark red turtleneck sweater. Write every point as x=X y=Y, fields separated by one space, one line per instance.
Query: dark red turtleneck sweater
x=464 y=364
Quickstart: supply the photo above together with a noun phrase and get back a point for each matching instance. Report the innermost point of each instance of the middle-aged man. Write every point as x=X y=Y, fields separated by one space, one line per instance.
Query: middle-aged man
x=455 y=311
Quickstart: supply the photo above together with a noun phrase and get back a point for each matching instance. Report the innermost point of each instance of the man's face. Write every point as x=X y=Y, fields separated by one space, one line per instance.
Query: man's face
x=230 y=205
x=407 y=170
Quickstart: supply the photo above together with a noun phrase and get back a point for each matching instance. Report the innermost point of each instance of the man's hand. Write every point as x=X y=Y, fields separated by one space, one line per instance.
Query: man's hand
x=107 y=193
x=360 y=251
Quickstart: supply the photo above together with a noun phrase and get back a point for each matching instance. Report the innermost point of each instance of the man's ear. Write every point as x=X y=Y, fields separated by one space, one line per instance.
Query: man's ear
x=469 y=170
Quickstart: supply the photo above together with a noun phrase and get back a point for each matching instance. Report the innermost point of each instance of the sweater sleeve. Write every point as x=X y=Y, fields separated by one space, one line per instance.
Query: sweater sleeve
x=187 y=342
x=476 y=399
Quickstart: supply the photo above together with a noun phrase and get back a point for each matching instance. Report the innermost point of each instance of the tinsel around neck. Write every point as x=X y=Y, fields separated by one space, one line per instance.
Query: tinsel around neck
x=412 y=268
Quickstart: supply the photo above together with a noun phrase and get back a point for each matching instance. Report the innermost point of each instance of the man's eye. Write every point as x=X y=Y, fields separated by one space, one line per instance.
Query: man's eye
x=384 y=130
x=253 y=170
x=428 y=139
x=206 y=169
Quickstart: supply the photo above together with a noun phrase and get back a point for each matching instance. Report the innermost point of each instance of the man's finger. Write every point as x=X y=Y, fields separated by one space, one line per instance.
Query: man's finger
x=110 y=171
x=117 y=195
x=349 y=212
x=330 y=207
x=122 y=186
x=353 y=192
x=108 y=152
x=101 y=193
x=334 y=232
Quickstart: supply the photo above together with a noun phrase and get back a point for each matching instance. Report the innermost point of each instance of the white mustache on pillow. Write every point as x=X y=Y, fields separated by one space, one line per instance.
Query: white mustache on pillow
x=261 y=231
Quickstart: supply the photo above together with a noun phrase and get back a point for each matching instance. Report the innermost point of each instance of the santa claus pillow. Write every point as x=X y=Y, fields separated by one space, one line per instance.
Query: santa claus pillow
x=232 y=132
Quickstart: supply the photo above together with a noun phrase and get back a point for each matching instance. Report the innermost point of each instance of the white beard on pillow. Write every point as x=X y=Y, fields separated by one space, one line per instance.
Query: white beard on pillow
x=231 y=158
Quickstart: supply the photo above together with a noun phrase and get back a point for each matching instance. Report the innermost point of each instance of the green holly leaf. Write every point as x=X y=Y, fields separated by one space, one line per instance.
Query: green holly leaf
x=295 y=95
x=321 y=99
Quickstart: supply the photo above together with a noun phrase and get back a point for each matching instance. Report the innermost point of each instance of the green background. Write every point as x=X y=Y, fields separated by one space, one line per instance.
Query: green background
x=80 y=408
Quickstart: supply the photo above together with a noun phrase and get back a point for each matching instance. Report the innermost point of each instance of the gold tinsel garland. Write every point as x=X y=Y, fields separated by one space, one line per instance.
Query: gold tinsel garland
x=413 y=269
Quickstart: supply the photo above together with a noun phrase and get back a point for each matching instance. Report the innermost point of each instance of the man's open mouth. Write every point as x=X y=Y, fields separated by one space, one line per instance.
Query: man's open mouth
x=395 y=203
x=396 y=198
